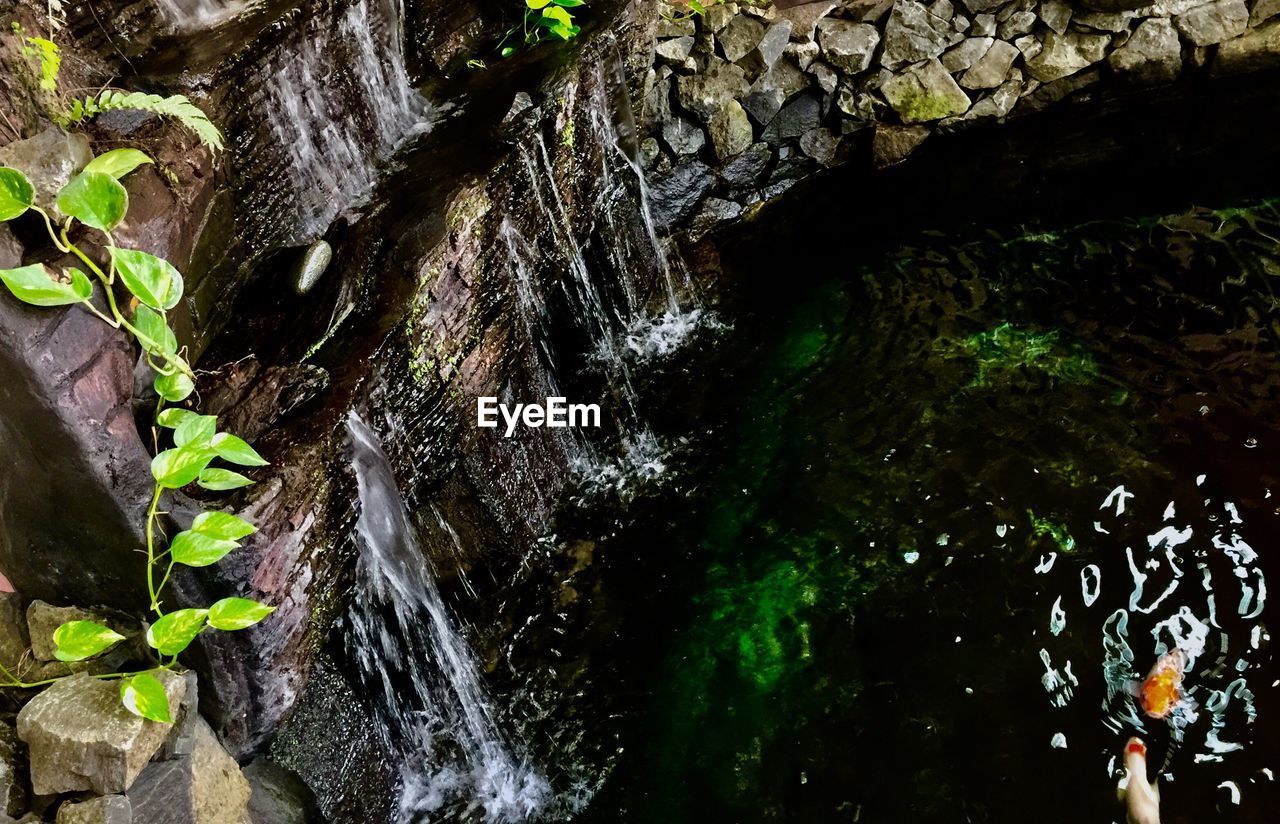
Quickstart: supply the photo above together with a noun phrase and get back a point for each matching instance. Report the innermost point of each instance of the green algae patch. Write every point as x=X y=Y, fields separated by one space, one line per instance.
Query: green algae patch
x=1054 y=531
x=1009 y=351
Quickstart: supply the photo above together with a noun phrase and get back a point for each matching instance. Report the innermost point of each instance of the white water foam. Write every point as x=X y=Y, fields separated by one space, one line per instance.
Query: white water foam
x=422 y=673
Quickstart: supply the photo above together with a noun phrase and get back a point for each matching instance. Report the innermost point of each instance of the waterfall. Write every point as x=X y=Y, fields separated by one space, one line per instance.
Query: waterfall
x=193 y=14
x=337 y=103
x=420 y=671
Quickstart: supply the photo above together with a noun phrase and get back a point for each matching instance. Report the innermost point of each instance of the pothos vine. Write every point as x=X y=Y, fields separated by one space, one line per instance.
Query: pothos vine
x=95 y=199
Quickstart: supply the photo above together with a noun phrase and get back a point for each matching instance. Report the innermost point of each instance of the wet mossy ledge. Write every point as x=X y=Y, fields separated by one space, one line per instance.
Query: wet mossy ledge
x=748 y=99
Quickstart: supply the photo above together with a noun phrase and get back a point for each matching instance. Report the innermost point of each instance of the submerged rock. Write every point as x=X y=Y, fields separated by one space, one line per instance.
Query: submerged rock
x=79 y=736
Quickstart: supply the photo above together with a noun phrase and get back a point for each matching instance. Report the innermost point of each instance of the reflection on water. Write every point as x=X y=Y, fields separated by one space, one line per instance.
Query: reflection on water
x=968 y=497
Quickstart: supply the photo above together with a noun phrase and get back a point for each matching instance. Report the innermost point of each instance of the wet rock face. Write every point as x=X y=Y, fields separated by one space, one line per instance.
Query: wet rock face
x=848 y=69
x=79 y=737
x=77 y=473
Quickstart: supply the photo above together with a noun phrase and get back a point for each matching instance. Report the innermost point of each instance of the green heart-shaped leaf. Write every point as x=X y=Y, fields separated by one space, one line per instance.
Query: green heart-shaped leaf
x=233 y=449
x=153 y=280
x=222 y=525
x=175 y=468
x=144 y=696
x=156 y=336
x=197 y=549
x=559 y=15
x=220 y=480
x=237 y=613
x=32 y=284
x=78 y=640
x=173 y=417
x=119 y=162
x=16 y=193
x=174 y=632
x=196 y=430
x=95 y=199
x=174 y=388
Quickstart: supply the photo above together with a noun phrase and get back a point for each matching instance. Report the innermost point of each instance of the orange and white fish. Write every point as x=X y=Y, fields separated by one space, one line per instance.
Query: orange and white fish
x=1141 y=797
x=1161 y=693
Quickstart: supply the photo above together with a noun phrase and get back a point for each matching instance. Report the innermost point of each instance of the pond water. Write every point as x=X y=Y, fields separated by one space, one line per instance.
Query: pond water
x=934 y=514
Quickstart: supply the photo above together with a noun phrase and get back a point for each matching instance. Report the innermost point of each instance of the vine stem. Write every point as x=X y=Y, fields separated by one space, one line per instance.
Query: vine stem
x=105 y=676
x=107 y=281
x=49 y=225
x=151 y=552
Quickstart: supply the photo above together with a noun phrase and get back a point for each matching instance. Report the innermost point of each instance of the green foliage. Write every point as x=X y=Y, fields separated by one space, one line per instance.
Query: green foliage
x=118 y=162
x=542 y=20
x=175 y=631
x=78 y=640
x=77 y=110
x=96 y=199
x=685 y=9
x=233 y=449
x=220 y=480
x=32 y=284
x=144 y=695
x=46 y=51
x=174 y=388
x=176 y=106
x=152 y=280
x=16 y=194
x=237 y=613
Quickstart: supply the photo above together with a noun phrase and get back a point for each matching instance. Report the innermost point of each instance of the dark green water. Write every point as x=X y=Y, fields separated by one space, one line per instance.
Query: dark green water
x=849 y=605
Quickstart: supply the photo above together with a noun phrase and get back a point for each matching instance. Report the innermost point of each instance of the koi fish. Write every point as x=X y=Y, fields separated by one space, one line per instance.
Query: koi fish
x=1161 y=693
x=1141 y=797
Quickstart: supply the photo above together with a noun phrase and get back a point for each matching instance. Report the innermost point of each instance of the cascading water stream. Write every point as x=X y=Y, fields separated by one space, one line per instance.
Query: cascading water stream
x=337 y=103
x=420 y=671
x=192 y=14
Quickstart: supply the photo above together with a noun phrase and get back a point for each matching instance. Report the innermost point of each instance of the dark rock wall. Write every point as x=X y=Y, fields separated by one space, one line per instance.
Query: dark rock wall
x=746 y=100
